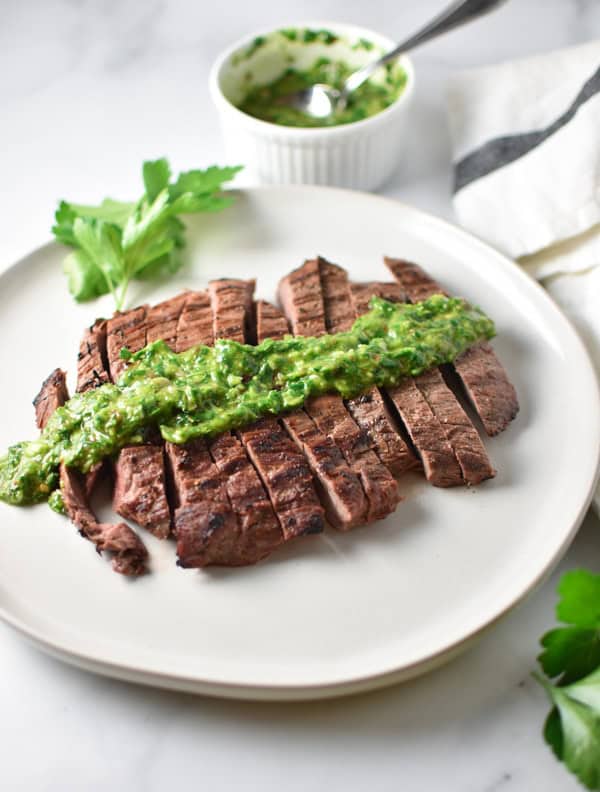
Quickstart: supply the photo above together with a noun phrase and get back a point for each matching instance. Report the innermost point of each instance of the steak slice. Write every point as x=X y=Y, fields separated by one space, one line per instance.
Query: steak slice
x=368 y=410
x=92 y=363
x=53 y=394
x=449 y=446
x=361 y=294
x=140 y=487
x=92 y=371
x=204 y=523
x=270 y=322
x=339 y=487
x=195 y=322
x=124 y=330
x=162 y=320
x=215 y=486
x=286 y=475
x=483 y=377
x=283 y=469
x=129 y=553
x=301 y=296
x=231 y=303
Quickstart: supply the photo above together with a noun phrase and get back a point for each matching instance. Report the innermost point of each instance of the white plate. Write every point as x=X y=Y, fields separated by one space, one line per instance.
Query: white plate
x=335 y=613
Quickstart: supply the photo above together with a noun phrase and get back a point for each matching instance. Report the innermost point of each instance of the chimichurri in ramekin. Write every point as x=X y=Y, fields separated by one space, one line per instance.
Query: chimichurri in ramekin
x=369 y=99
x=263 y=101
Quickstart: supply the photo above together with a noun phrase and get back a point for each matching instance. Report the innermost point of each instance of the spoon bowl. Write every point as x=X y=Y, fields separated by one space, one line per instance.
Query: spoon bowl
x=318 y=101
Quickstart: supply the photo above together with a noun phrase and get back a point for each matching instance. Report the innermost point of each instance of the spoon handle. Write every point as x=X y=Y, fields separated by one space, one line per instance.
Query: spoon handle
x=456 y=14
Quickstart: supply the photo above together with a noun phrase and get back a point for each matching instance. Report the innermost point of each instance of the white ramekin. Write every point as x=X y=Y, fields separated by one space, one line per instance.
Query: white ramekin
x=360 y=155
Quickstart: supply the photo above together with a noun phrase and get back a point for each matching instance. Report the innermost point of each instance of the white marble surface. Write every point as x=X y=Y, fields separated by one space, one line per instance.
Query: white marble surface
x=87 y=91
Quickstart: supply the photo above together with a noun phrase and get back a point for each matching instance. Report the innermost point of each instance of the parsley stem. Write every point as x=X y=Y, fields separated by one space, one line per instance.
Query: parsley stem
x=110 y=284
x=544 y=682
x=120 y=301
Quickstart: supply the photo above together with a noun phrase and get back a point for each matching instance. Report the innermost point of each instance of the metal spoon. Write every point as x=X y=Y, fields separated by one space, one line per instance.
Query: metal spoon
x=320 y=101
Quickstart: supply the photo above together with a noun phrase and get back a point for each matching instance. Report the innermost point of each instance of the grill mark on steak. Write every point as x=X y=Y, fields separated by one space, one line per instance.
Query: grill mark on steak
x=140 y=485
x=279 y=463
x=368 y=410
x=448 y=444
x=339 y=487
x=301 y=296
x=483 y=377
x=162 y=320
x=129 y=554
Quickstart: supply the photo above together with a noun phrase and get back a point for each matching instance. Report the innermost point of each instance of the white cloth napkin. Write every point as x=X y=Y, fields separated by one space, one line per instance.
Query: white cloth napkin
x=526 y=144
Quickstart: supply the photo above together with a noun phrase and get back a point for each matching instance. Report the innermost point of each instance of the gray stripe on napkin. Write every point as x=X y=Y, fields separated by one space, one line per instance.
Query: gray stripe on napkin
x=503 y=150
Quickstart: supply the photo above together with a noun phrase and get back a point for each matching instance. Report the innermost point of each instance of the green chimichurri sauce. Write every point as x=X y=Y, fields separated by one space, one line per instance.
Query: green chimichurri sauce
x=368 y=100
x=56 y=502
x=208 y=390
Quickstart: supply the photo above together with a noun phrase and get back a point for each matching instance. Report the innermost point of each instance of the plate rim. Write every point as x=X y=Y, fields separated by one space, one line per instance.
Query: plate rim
x=349 y=684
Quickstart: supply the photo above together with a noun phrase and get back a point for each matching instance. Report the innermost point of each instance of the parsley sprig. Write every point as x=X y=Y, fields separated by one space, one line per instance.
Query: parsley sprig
x=116 y=242
x=571 y=657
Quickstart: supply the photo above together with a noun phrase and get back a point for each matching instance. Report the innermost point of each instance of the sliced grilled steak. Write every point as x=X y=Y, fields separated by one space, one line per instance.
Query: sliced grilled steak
x=162 y=320
x=258 y=526
x=124 y=330
x=140 y=488
x=361 y=294
x=215 y=490
x=301 y=296
x=449 y=446
x=281 y=466
x=231 y=302
x=270 y=322
x=427 y=435
x=92 y=371
x=368 y=410
x=53 y=394
x=487 y=386
x=339 y=487
x=205 y=525
x=92 y=363
x=484 y=379
x=196 y=476
x=139 y=492
x=195 y=322
x=129 y=553
x=286 y=476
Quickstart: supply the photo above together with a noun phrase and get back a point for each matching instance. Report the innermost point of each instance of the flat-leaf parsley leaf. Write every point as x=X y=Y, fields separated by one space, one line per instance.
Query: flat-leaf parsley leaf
x=571 y=655
x=117 y=242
